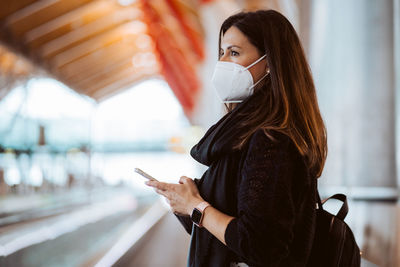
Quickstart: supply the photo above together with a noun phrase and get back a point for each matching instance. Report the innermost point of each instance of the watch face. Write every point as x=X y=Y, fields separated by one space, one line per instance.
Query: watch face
x=196 y=216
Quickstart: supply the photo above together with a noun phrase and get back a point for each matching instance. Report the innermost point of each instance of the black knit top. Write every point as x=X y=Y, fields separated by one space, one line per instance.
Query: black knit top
x=265 y=186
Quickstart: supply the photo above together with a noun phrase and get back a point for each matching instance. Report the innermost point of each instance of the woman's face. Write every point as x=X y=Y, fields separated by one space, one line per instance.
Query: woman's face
x=235 y=47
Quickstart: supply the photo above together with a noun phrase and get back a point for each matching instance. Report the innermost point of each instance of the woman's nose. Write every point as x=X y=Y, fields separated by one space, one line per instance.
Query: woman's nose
x=224 y=57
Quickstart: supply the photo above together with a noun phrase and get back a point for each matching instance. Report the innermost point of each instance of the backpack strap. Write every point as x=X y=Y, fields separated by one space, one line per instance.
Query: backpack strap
x=342 y=197
x=319 y=201
x=319 y=204
x=344 y=209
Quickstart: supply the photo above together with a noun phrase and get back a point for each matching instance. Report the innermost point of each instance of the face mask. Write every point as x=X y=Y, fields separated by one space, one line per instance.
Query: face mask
x=233 y=82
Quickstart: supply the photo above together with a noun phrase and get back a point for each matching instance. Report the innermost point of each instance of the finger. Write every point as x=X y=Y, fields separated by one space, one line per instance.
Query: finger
x=150 y=183
x=159 y=185
x=161 y=192
x=183 y=179
x=163 y=186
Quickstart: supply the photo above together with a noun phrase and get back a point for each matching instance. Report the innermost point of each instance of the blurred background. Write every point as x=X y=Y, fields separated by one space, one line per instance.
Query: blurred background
x=91 y=89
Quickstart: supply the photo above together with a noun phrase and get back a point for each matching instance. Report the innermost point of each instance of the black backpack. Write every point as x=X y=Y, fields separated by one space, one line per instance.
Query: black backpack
x=334 y=242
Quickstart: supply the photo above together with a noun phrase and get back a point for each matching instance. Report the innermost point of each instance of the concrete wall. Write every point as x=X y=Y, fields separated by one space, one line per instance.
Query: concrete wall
x=352 y=58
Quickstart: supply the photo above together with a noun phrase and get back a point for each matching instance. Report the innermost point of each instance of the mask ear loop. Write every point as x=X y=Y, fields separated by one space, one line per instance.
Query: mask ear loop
x=265 y=75
x=255 y=62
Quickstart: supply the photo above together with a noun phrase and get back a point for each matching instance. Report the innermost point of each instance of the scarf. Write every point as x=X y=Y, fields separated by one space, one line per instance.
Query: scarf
x=219 y=182
x=220 y=138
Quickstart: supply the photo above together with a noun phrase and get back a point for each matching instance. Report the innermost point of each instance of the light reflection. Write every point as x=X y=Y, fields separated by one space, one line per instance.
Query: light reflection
x=144 y=61
x=35 y=176
x=136 y=27
x=46 y=95
x=12 y=176
x=147 y=114
x=126 y=2
x=144 y=42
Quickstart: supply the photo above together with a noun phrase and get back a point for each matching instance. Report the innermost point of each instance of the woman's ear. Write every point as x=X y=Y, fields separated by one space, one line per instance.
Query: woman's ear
x=267 y=70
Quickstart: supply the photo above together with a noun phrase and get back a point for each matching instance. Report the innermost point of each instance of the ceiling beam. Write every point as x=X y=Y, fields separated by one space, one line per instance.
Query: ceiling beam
x=141 y=43
x=38 y=13
x=29 y=11
x=129 y=71
x=67 y=22
x=93 y=61
x=84 y=33
x=102 y=67
x=141 y=61
x=98 y=42
x=109 y=71
x=123 y=84
x=13 y=6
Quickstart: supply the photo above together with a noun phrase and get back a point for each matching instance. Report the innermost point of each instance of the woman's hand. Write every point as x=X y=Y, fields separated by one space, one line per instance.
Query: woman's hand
x=182 y=197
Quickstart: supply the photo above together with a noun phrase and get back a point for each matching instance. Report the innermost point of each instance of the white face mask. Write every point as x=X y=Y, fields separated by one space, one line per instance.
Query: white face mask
x=233 y=82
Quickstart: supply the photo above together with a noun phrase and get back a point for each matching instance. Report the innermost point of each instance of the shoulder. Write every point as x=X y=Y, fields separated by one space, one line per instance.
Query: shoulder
x=272 y=139
x=275 y=156
x=275 y=146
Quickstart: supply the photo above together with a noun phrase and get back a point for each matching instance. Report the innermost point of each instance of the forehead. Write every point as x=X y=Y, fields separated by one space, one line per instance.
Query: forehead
x=233 y=36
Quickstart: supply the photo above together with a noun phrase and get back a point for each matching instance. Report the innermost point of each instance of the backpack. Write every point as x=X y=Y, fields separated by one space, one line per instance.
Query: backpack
x=334 y=243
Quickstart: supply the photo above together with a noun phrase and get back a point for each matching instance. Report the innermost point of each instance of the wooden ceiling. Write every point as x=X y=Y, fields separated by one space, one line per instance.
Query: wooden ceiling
x=96 y=47
x=101 y=47
x=14 y=70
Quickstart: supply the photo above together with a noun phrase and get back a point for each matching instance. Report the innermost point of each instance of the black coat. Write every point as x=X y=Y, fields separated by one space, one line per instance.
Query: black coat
x=265 y=186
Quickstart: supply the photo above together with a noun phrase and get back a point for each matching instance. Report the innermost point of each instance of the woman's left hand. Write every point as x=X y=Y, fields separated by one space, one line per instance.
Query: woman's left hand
x=182 y=197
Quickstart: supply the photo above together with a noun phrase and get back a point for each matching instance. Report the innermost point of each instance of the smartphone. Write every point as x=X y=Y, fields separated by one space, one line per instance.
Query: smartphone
x=145 y=175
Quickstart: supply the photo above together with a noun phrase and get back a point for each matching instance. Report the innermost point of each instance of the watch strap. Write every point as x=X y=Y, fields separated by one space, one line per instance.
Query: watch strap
x=201 y=207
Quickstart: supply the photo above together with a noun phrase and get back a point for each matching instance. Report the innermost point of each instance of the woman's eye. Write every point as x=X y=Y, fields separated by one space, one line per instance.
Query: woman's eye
x=232 y=53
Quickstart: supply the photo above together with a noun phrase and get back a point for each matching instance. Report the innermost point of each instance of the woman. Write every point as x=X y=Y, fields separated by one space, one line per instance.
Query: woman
x=255 y=204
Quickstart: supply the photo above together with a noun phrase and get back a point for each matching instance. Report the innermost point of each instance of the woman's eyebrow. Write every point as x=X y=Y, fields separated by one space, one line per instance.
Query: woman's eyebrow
x=231 y=46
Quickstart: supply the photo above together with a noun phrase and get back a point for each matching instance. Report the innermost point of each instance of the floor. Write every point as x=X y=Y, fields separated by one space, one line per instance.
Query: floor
x=165 y=246
x=376 y=226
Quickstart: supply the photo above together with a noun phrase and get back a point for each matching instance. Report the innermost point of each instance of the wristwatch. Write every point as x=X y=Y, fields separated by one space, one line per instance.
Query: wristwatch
x=198 y=213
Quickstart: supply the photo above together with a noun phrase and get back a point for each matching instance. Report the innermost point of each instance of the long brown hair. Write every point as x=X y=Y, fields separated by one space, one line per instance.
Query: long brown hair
x=288 y=102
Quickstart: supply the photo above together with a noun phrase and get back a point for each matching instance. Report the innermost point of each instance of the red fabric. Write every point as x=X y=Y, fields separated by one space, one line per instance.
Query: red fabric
x=175 y=61
x=193 y=36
